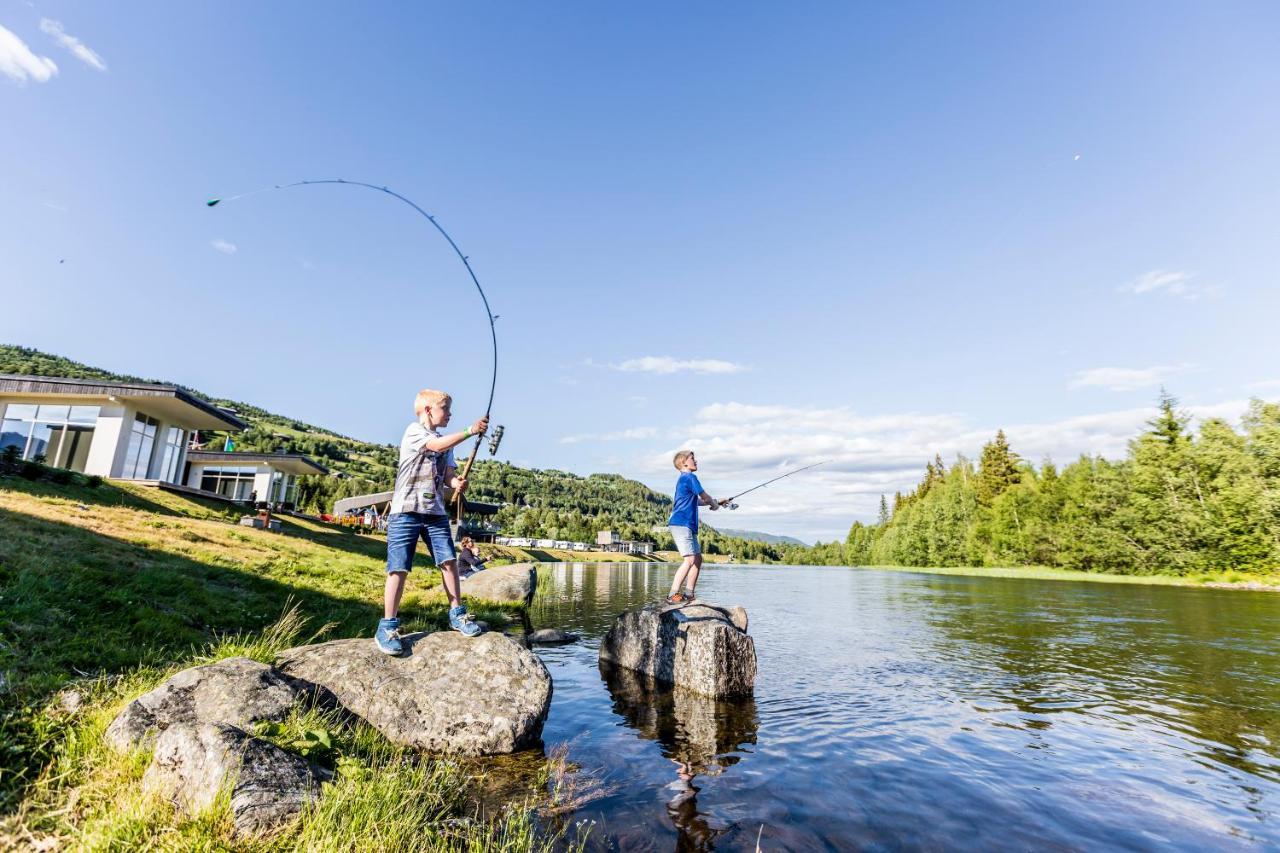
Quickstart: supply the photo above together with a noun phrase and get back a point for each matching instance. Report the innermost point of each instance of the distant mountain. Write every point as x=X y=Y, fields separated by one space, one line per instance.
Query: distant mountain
x=757 y=536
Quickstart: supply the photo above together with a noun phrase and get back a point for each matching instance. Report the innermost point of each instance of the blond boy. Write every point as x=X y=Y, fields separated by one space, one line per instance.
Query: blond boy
x=418 y=511
x=684 y=527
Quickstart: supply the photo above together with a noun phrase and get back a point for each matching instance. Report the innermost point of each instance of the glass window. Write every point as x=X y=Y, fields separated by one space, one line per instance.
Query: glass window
x=173 y=439
x=83 y=415
x=39 y=446
x=14 y=432
x=21 y=412
x=142 y=439
x=58 y=414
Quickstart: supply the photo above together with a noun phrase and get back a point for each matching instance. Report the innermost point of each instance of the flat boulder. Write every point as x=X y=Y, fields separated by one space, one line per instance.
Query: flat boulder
x=452 y=694
x=194 y=762
x=235 y=691
x=514 y=584
x=699 y=647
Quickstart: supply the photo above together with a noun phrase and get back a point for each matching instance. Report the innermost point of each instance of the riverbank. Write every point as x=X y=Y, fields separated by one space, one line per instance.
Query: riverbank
x=1224 y=580
x=105 y=592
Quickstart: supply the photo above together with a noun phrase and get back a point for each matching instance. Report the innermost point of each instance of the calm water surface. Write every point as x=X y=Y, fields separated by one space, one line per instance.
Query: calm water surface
x=905 y=711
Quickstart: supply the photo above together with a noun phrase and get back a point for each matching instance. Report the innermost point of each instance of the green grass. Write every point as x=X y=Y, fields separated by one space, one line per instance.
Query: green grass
x=108 y=591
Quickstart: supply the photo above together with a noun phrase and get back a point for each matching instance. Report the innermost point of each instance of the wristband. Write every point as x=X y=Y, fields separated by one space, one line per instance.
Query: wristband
x=466 y=433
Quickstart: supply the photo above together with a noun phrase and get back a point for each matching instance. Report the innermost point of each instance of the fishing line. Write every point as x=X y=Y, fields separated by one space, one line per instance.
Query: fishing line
x=466 y=262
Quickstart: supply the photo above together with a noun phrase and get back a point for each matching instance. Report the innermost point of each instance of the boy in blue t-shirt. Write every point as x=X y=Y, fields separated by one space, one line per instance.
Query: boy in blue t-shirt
x=684 y=526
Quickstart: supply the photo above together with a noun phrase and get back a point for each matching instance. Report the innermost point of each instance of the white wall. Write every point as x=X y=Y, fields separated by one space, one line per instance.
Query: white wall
x=106 y=453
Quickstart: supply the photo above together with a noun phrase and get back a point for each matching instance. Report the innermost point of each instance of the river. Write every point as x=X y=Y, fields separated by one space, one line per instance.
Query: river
x=897 y=710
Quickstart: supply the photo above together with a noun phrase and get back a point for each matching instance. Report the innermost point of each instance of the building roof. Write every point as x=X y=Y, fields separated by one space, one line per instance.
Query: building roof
x=290 y=463
x=173 y=399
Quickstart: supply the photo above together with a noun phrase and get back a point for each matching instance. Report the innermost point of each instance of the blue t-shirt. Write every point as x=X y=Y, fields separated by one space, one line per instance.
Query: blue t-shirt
x=685 y=513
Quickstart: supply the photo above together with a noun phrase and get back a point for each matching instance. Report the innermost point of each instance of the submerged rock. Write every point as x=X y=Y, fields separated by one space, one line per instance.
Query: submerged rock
x=268 y=786
x=699 y=647
x=235 y=691
x=513 y=584
x=551 y=636
x=451 y=694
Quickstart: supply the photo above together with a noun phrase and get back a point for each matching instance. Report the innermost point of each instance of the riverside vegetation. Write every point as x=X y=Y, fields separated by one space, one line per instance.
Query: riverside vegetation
x=1196 y=507
x=106 y=590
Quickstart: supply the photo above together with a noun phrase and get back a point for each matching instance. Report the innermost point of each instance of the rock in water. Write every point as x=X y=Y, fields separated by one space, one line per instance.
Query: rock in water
x=551 y=636
x=451 y=694
x=192 y=763
x=508 y=584
x=698 y=647
x=235 y=691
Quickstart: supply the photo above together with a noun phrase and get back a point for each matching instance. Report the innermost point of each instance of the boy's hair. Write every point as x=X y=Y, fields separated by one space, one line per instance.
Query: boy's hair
x=466 y=542
x=681 y=456
x=429 y=397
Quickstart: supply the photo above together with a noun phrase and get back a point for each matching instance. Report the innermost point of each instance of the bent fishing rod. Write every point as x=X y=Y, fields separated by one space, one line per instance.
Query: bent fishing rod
x=496 y=439
x=728 y=503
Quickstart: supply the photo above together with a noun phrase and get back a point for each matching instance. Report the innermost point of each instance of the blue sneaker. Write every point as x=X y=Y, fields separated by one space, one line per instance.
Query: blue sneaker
x=387 y=637
x=460 y=620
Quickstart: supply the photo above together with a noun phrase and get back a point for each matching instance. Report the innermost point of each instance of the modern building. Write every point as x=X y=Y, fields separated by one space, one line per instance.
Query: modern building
x=237 y=476
x=120 y=430
x=607 y=540
x=474 y=519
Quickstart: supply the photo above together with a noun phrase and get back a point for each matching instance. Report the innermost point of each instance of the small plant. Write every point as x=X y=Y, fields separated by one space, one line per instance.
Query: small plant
x=93 y=481
x=31 y=470
x=11 y=455
x=61 y=476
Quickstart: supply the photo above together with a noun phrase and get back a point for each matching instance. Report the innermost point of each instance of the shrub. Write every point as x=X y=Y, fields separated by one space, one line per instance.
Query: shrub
x=31 y=470
x=11 y=455
x=61 y=476
x=93 y=481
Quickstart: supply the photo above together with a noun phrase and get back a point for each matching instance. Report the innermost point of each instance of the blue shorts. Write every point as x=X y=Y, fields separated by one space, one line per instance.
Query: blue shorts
x=686 y=540
x=403 y=530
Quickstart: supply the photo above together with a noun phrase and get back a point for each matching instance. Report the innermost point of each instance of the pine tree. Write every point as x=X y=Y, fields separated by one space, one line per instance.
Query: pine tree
x=997 y=469
x=884 y=511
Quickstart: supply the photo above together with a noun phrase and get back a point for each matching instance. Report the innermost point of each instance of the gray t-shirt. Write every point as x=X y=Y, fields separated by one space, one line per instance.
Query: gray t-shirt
x=420 y=478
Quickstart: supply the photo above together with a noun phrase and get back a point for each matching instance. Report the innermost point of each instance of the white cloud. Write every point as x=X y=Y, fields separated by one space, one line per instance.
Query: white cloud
x=52 y=206
x=1264 y=385
x=1125 y=378
x=1177 y=283
x=78 y=49
x=634 y=434
x=666 y=364
x=224 y=246
x=740 y=445
x=18 y=62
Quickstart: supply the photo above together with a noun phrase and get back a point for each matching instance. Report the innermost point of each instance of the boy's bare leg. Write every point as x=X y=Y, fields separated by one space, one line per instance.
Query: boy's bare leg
x=452 y=586
x=392 y=592
x=685 y=567
x=691 y=582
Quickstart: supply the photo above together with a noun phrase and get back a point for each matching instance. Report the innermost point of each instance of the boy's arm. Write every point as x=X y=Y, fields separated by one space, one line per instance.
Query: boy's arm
x=448 y=442
x=706 y=500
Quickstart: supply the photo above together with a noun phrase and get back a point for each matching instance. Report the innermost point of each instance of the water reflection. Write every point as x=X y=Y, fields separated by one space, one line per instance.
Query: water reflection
x=700 y=736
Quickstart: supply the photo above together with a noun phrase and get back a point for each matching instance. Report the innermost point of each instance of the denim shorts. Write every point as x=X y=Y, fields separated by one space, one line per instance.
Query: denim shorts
x=403 y=530
x=686 y=540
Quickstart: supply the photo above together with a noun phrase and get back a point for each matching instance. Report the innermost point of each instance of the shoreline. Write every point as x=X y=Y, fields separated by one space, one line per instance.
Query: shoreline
x=1247 y=583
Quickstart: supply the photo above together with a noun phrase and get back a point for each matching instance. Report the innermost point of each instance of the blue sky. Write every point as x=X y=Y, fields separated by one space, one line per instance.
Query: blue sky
x=775 y=233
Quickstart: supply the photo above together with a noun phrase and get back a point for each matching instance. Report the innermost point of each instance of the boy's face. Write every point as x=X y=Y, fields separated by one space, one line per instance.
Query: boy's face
x=439 y=413
x=691 y=464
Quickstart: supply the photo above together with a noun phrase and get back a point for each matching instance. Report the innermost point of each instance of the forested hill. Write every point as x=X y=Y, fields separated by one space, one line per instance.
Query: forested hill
x=542 y=503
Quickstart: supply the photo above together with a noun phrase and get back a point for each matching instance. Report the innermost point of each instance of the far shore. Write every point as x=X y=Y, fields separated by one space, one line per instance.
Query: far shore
x=1225 y=580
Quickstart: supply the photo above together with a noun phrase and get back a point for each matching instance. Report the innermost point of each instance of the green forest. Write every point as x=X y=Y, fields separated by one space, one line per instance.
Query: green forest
x=1180 y=503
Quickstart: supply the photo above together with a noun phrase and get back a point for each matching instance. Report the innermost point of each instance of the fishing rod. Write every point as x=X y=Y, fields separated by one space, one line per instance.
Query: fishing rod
x=729 y=502
x=496 y=439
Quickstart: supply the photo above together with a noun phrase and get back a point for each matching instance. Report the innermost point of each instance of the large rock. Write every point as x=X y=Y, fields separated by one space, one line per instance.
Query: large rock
x=452 y=694
x=697 y=648
x=514 y=584
x=235 y=691
x=192 y=764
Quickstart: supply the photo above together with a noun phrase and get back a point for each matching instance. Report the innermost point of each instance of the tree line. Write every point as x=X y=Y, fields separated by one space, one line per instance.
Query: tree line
x=1180 y=503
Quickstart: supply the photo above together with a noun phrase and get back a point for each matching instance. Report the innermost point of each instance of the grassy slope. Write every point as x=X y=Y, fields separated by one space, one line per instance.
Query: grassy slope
x=110 y=589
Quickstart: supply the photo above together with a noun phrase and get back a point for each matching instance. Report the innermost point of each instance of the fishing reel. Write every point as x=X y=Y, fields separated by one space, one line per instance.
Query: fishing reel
x=729 y=505
x=496 y=439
